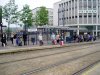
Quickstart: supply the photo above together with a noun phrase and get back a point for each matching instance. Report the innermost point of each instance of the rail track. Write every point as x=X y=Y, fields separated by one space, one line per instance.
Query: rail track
x=59 y=63
x=86 y=68
x=54 y=52
x=69 y=49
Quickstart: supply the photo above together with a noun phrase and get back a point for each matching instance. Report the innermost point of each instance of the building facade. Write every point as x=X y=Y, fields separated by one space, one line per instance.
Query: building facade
x=50 y=14
x=78 y=13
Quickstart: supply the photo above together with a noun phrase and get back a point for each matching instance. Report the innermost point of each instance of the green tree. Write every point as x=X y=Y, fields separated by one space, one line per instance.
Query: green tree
x=10 y=13
x=26 y=16
x=41 y=16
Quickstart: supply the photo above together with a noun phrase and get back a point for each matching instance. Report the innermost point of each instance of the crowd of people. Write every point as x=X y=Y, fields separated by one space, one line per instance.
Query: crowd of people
x=84 y=38
x=18 y=39
x=15 y=38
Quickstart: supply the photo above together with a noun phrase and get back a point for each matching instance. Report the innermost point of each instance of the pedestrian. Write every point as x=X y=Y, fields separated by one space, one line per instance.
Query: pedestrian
x=40 y=39
x=53 y=38
x=15 y=38
x=12 y=37
x=58 y=38
x=62 y=39
x=4 y=39
x=33 y=40
x=25 y=38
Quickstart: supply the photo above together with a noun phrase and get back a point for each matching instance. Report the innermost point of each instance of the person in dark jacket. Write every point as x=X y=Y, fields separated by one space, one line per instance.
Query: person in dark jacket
x=25 y=38
x=3 y=39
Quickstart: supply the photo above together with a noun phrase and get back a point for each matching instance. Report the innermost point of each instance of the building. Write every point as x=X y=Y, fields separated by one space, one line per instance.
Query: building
x=50 y=14
x=78 y=13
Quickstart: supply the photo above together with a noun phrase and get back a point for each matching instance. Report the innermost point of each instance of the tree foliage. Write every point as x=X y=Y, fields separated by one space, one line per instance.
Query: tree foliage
x=10 y=12
x=41 y=16
x=26 y=16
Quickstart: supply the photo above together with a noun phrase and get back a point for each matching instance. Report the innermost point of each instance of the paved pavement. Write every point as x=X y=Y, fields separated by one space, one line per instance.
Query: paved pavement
x=95 y=70
x=11 y=46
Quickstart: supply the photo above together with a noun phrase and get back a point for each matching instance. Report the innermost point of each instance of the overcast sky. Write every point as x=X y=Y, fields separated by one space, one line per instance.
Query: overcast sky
x=33 y=3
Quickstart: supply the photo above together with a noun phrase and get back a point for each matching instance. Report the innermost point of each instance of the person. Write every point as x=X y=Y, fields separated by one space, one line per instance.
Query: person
x=94 y=37
x=62 y=39
x=19 y=41
x=58 y=38
x=33 y=40
x=25 y=38
x=53 y=38
x=40 y=39
x=12 y=37
x=4 y=39
x=15 y=37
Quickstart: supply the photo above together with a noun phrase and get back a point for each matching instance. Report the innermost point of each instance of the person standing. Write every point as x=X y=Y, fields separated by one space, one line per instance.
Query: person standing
x=15 y=37
x=25 y=38
x=40 y=39
x=53 y=38
x=3 y=39
x=12 y=37
x=58 y=38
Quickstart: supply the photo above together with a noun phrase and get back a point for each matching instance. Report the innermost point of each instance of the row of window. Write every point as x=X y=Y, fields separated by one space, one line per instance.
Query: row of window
x=80 y=16
x=66 y=3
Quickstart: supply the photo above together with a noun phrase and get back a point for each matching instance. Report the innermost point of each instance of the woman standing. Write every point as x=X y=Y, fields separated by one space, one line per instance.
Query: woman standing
x=3 y=40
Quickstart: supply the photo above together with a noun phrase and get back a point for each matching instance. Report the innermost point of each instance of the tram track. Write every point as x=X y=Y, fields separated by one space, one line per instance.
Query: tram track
x=41 y=63
x=59 y=63
x=86 y=68
x=40 y=56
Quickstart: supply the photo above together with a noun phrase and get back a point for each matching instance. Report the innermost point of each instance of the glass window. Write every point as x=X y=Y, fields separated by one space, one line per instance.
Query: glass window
x=89 y=15
x=94 y=15
x=80 y=16
x=85 y=15
x=75 y=16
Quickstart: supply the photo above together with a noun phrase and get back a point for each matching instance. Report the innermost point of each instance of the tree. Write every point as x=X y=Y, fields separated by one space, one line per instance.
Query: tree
x=26 y=16
x=10 y=13
x=41 y=16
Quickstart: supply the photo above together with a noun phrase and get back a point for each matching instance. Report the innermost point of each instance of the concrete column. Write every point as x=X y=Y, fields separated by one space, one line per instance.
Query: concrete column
x=78 y=30
x=96 y=30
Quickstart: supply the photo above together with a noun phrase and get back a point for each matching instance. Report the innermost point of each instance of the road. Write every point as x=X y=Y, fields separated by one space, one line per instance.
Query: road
x=57 y=61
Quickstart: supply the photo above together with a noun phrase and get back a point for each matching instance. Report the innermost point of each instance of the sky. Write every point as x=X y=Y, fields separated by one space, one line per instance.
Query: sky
x=32 y=3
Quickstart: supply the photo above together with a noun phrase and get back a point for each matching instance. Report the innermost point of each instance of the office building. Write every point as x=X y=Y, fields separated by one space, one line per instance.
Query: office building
x=78 y=13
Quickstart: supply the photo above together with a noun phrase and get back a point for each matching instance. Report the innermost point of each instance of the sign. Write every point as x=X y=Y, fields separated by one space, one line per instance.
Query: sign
x=87 y=11
x=32 y=30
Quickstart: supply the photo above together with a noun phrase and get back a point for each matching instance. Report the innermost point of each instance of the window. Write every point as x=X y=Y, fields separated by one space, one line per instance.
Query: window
x=85 y=15
x=72 y=16
x=94 y=15
x=75 y=16
x=69 y=17
x=80 y=16
x=67 y=10
x=89 y=15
